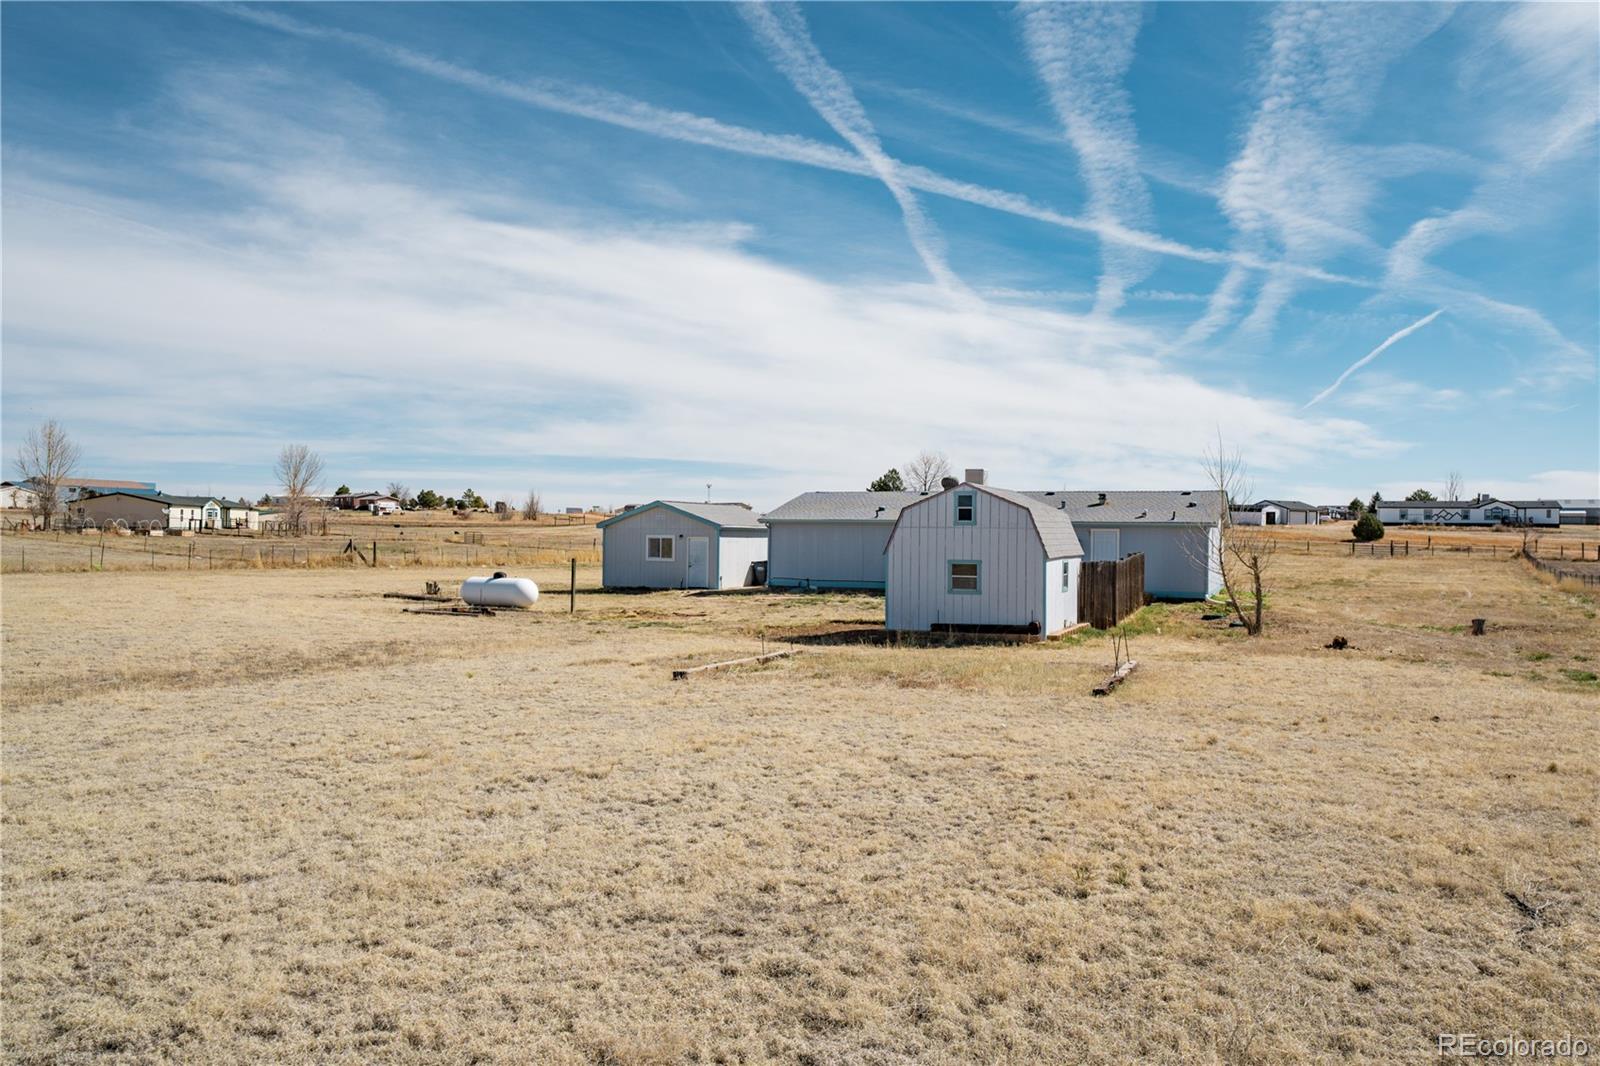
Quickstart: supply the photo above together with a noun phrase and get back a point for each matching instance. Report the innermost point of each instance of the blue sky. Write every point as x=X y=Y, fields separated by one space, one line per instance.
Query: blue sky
x=614 y=252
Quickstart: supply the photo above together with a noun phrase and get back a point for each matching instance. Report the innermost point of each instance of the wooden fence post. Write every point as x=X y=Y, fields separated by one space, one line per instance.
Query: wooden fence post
x=374 y=554
x=572 y=588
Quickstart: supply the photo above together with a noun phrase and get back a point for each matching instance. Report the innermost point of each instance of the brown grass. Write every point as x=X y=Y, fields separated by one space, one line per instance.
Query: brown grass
x=265 y=816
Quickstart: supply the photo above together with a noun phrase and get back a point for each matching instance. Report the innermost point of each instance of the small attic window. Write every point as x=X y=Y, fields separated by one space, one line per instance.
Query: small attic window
x=966 y=508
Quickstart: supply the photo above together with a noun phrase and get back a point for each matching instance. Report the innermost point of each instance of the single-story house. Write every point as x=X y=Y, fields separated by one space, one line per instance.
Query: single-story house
x=1275 y=513
x=828 y=539
x=1483 y=511
x=160 y=511
x=977 y=558
x=1580 y=512
x=15 y=497
x=1179 y=531
x=836 y=540
x=676 y=544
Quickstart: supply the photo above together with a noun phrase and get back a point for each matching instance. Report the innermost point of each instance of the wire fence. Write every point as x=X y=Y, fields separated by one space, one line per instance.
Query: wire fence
x=1564 y=570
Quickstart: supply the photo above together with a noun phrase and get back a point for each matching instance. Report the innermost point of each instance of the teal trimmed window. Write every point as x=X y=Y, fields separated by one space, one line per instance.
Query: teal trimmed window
x=965 y=576
x=966 y=508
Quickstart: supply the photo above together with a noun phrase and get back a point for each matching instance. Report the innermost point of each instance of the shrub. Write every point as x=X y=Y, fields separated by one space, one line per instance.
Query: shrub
x=1368 y=527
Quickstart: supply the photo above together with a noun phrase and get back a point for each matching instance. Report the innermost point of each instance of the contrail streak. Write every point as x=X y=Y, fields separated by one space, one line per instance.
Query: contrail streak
x=1370 y=356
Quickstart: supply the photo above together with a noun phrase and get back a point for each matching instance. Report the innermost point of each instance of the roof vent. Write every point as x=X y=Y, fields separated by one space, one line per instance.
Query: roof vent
x=948 y=482
x=878 y=512
x=1185 y=492
x=1100 y=501
x=1174 y=516
x=1191 y=503
x=1141 y=514
x=974 y=475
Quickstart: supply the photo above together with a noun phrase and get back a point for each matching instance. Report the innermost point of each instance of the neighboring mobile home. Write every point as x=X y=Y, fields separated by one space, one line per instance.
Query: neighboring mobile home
x=15 y=497
x=978 y=558
x=160 y=511
x=675 y=544
x=237 y=515
x=1483 y=511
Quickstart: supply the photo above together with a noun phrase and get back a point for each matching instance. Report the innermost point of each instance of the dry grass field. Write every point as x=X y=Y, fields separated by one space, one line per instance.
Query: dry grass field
x=266 y=816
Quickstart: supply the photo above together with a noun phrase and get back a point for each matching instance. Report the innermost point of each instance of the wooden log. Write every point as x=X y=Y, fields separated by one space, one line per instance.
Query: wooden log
x=431 y=597
x=683 y=675
x=462 y=612
x=1116 y=678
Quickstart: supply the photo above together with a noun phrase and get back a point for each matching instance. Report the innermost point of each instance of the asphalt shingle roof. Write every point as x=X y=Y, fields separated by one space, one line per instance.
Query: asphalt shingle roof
x=844 y=507
x=722 y=515
x=1203 y=507
x=1053 y=523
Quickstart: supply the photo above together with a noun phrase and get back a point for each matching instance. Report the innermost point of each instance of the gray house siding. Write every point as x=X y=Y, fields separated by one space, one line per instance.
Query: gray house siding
x=1180 y=562
x=820 y=554
x=625 y=565
x=1012 y=575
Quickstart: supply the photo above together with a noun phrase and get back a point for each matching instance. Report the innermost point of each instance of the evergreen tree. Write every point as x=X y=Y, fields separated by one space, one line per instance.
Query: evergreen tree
x=1368 y=527
x=891 y=481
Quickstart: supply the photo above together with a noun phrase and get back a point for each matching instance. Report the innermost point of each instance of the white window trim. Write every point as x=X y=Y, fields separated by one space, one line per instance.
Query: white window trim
x=671 y=548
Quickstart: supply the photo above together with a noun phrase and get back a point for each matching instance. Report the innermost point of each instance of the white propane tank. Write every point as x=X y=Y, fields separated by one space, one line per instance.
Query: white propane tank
x=500 y=591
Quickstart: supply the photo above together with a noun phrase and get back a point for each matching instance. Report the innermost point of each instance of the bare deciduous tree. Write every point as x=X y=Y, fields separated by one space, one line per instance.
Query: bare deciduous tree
x=1454 y=486
x=530 y=509
x=299 y=471
x=47 y=458
x=926 y=471
x=1245 y=553
x=400 y=491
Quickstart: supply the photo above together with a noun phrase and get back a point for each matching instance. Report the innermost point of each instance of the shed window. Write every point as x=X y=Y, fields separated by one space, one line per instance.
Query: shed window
x=963 y=576
x=966 y=508
x=658 y=548
x=1066 y=578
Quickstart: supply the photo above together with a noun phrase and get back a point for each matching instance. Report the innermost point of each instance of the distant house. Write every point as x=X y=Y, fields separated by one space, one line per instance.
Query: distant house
x=1483 y=511
x=16 y=497
x=1276 y=513
x=88 y=486
x=979 y=558
x=237 y=515
x=837 y=539
x=375 y=502
x=140 y=511
x=675 y=544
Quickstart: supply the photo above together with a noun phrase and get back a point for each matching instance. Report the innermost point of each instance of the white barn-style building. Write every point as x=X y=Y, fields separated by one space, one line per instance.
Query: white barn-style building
x=978 y=558
x=676 y=544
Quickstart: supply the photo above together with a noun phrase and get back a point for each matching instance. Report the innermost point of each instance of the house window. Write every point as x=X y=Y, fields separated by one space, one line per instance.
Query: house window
x=966 y=508
x=1404 y=515
x=963 y=576
x=658 y=548
x=1428 y=515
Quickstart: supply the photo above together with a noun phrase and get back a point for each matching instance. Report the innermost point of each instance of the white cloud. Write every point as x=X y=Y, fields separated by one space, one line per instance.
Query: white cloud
x=382 y=314
x=1082 y=52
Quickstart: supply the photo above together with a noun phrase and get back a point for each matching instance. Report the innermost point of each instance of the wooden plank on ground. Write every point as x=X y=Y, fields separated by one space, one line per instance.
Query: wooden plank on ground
x=683 y=675
x=1117 y=678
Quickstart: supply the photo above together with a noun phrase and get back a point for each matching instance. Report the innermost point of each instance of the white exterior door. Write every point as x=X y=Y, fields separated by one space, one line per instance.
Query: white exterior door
x=1105 y=545
x=699 y=563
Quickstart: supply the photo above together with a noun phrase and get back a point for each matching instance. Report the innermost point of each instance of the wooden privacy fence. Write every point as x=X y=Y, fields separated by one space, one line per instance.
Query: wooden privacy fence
x=1108 y=592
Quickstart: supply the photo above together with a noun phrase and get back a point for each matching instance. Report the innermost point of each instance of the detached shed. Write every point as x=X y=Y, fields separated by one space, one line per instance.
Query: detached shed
x=977 y=558
x=675 y=544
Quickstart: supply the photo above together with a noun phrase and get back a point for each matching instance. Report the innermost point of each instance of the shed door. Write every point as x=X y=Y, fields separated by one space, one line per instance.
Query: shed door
x=1105 y=545
x=699 y=556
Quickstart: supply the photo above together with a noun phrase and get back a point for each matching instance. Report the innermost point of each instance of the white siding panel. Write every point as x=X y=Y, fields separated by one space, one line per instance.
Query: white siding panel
x=624 y=564
x=736 y=549
x=1003 y=541
x=1179 y=561
x=813 y=553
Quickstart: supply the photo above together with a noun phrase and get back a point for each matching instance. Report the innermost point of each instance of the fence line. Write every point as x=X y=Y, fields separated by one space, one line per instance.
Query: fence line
x=1561 y=573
